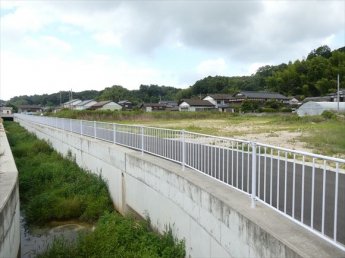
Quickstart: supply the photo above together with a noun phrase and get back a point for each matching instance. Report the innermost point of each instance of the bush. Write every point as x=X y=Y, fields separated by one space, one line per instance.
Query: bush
x=328 y=114
x=52 y=187
x=286 y=110
x=269 y=110
x=117 y=236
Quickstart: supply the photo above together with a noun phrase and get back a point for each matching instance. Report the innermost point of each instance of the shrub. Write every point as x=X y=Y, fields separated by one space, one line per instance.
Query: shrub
x=286 y=110
x=52 y=187
x=328 y=114
x=269 y=110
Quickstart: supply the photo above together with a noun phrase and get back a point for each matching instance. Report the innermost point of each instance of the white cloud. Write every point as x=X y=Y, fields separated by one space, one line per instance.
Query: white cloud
x=211 y=67
x=52 y=73
x=107 y=38
x=57 y=43
x=328 y=40
x=69 y=30
x=254 y=67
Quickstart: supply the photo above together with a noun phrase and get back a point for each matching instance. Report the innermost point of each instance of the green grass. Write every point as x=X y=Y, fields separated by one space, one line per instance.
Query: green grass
x=138 y=115
x=117 y=236
x=53 y=187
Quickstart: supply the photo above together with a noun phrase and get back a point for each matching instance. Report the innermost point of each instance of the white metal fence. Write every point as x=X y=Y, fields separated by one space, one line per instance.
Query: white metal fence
x=304 y=187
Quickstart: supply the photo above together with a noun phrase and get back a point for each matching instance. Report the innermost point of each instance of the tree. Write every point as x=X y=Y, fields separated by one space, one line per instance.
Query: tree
x=323 y=51
x=249 y=105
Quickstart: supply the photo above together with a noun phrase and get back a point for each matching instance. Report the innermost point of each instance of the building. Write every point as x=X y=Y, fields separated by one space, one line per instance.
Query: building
x=126 y=105
x=149 y=107
x=85 y=104
x=71 y=104
x=6 y=110
x=193 y=105
x=334 y=96
x=170 y=104
x=29 y=109
x=221 y=101
x=106 y=105
x=317 y=99
x=316 y=108
x=258 y=96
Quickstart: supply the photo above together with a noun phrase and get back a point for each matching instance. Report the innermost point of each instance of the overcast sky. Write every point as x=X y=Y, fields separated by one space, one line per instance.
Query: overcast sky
x=48 y=46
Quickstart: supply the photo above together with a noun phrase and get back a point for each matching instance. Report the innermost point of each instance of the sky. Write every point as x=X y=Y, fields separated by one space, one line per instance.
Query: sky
x=48 y=46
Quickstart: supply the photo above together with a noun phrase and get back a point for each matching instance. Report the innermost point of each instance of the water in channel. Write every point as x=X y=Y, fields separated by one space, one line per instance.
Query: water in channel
x=35 y=239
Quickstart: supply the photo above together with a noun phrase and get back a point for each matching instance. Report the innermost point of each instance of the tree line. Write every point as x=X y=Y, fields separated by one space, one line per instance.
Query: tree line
x=315 y=75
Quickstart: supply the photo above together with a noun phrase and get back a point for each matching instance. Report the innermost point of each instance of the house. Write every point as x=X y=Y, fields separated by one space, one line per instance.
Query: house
x=149 y=107
x=221 y=101
x=170 y=104
x=71 y=104
x=106 y=105
x=85 y=104
x=6 y=110
x=126 y=105
x=317 y=99
x=194 y=105
x=334 y=96
x=258 y=96
x=29 y=109
x=293 y=102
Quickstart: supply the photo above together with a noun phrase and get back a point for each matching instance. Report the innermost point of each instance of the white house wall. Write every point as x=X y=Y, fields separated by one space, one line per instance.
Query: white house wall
x=211 y=100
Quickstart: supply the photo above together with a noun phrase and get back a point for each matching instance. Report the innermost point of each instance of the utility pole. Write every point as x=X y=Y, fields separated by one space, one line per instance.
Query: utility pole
x=338 y=94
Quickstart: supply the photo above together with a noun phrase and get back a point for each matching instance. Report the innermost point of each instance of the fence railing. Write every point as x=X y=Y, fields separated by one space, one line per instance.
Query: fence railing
x=304 y=187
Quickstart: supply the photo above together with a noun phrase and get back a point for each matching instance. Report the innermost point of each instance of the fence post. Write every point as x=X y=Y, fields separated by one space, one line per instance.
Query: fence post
x=142 y=140
x=94 y=129
x=114 y=130
x=253 y=174
x=81 y=127
x=183 y=150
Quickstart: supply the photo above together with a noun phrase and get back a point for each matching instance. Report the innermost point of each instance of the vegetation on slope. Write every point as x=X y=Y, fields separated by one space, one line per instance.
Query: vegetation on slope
x=117 y=236
x=55 y=188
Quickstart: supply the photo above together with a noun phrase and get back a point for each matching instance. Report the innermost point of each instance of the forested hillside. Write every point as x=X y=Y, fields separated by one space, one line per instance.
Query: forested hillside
x=146 y=93
x=314 y=76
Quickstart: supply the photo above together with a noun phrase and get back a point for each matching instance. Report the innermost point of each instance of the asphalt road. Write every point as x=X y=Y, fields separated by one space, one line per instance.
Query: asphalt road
x=234 y=167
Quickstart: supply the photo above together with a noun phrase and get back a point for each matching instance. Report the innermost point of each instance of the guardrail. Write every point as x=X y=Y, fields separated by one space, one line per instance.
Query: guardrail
x=304 y=187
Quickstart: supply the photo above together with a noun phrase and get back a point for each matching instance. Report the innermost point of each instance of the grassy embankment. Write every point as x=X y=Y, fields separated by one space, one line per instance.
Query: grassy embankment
x=324 y=134
x=55 y=188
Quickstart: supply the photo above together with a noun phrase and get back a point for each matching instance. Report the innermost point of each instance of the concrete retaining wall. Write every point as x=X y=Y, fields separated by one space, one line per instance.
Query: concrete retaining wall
x=9 y=201
x=214 y=220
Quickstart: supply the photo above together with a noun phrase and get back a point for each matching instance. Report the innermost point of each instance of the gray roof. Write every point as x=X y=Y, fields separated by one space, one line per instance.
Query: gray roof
x=6 y=108
x=83 y=103
x=152 y=105
x=168 y=103
x=71 y=101
x=121 y=102
x=100 y=104
x=220 y=96
x=261 y=95
x=197 y=102
x=28 y=106
x=325 y=98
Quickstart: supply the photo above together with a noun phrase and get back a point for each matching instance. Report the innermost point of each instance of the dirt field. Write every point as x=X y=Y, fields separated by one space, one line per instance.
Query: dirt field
x=260 y=130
